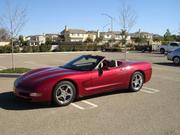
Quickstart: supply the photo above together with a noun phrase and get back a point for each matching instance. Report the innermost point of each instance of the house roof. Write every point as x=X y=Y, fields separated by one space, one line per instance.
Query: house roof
x=75 y=31
x=111 y=33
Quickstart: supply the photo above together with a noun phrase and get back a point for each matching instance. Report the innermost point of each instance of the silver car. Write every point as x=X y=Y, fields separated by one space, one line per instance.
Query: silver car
x=174 y=56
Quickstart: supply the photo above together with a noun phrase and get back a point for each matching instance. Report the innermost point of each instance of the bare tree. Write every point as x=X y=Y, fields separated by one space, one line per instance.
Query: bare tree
x=127 y=20
x=179 y=29
x=13 y=20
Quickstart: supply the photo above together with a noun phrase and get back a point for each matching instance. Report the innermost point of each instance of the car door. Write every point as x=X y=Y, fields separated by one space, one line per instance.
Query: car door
x=111 y=78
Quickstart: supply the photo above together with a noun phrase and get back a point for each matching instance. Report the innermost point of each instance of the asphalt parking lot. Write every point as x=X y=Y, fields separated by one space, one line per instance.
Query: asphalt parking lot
x=155 y=110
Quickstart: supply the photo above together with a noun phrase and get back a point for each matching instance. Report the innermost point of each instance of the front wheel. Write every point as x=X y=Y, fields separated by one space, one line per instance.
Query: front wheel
x=162 y=51
x=64 y=93
x=137 y=81
x=176 y=60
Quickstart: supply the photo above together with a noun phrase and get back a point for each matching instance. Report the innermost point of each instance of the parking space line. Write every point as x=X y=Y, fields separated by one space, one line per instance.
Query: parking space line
x=155 y=90
x=77 y=106
x=87 y=102
x=146 y=91
x=149 y=90
x=90 y=105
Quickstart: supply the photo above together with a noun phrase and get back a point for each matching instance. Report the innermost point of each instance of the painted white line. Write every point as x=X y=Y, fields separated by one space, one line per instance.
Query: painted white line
x=77 y=106
x=146 y=91
x=89 y=103
x=155 y=90
x=149 y=90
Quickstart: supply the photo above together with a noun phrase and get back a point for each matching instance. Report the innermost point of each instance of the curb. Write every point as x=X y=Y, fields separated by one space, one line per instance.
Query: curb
x=36 y=53
x=10 y=75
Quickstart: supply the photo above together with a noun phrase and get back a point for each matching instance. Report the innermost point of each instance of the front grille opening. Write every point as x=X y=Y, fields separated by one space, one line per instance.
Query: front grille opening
x=24 y=94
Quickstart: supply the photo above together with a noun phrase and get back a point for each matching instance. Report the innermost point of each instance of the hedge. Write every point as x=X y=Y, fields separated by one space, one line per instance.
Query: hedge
x=67 y=48
x=8 y=49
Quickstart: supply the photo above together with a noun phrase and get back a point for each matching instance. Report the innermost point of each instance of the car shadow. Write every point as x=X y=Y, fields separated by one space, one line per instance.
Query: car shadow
x=9 y=101
x=170 y=64
x=104 y=94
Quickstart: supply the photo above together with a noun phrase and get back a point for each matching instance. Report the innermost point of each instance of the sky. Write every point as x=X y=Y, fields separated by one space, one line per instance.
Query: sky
x=51 y=16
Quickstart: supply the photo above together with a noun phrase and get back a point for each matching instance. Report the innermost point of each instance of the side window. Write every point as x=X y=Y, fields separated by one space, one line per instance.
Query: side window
x=174 y=44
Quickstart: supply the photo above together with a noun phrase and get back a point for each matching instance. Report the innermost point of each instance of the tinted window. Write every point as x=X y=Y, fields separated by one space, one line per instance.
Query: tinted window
x=174 y=44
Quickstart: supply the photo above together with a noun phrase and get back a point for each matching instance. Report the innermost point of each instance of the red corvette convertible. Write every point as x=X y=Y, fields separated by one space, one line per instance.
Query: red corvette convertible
x=85 y=75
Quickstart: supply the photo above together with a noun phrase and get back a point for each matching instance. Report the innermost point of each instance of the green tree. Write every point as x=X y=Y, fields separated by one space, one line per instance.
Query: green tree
x=141 y=40
x=89 y=40
x=21 y=40
x=98 y=40
x=167 y=36
x=157 y=39
x=4 y=36
x=48 y=41
x=45 y=47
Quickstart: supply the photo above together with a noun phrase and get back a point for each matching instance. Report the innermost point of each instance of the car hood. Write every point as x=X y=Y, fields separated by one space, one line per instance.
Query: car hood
x=45 y=73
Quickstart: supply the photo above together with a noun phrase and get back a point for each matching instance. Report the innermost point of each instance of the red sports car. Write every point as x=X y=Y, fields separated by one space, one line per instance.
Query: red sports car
x=85 y=75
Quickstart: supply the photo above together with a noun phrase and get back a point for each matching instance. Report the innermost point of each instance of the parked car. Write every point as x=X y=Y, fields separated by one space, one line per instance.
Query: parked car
x=83 y=76
x=174 y=56
x=169 y=48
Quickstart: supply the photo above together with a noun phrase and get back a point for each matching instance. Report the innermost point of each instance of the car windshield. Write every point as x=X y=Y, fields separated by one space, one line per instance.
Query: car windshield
x=84 y=63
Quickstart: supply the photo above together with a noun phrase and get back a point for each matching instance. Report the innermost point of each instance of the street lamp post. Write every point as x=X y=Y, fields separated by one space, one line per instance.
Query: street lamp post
x=111 y=18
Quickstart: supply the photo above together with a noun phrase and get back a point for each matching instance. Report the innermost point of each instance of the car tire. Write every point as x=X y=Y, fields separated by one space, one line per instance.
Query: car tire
x=137 y=81
x=176 y=60
x=162 y=51
x=64 y=93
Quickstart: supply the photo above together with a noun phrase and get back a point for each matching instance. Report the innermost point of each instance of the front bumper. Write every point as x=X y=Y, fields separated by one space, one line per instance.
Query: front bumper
x=169 y=57
x=28 y=95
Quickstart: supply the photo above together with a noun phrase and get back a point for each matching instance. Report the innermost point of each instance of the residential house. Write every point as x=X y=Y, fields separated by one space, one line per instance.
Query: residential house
x=4 y=43
x=115 y=35
x=93 y=35
x=145 y=35
x=36 y=40
x=53 y=37
x=74 y=35
x=148 y=36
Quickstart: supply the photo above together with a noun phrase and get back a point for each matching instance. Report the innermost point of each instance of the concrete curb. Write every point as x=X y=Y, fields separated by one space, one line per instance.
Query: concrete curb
x=51 y=52
x=10 y=75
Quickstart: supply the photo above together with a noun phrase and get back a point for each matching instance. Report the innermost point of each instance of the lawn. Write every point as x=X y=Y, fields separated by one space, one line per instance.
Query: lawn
x=16 y=70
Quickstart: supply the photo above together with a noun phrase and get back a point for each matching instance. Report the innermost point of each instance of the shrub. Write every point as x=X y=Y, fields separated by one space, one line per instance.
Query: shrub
x=35 y=49
x=8 y=49
x=27 y=49
x=84 y=47
x=45 y=48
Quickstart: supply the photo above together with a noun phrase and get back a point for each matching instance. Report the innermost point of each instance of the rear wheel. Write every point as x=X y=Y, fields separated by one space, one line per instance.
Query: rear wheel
x=137 y=81
x=176 y=60
x=64 y=93
x=162 y=51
